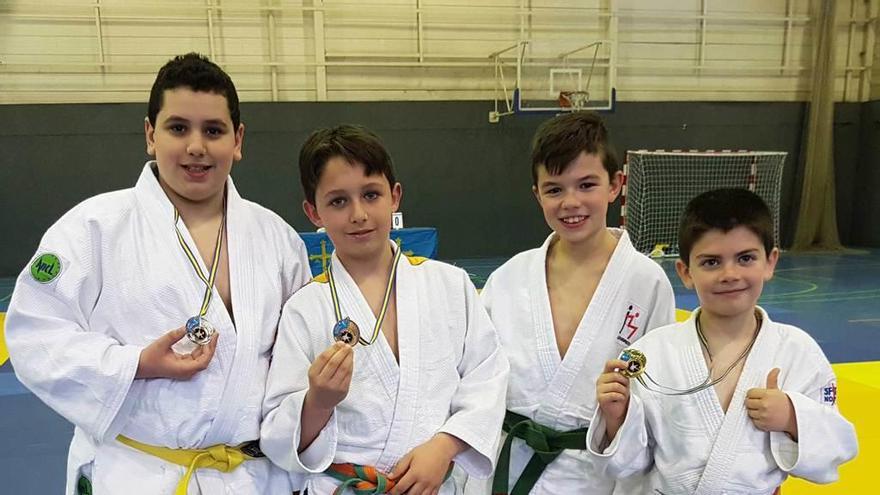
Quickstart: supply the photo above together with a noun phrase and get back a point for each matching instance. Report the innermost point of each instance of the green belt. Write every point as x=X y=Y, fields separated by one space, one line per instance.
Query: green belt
x=547 y=444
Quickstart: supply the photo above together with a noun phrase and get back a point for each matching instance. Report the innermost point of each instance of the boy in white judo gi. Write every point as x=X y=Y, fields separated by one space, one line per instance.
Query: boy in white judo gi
x=147 y=316
x=566 y=307
x=728 y=402
x=386 y=369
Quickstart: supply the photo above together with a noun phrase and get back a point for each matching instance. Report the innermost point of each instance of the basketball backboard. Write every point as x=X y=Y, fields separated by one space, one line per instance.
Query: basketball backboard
x=553 y=76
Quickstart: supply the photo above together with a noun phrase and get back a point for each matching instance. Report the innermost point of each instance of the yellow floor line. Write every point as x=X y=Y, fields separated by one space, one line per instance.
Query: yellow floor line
x=4 y=354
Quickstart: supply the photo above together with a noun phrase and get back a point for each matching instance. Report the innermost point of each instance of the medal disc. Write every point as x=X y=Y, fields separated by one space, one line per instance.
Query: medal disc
x=635 y=363
x=346 y=331
x=199 y=330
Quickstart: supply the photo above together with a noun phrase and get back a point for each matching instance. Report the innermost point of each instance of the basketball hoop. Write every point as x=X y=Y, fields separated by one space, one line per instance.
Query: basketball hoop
x=575 y=100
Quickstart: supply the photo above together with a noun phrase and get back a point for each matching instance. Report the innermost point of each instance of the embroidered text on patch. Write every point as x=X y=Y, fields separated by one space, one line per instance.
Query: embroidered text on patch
x=829 y=394
x=46 y=268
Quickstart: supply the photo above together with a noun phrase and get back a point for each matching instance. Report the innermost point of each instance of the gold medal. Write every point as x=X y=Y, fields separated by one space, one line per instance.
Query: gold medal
x=635 y=363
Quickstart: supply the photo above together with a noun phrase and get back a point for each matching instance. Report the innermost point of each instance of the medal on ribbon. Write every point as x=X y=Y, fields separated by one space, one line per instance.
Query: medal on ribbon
x=198 y=329
x=637 y=365
x=346 y=330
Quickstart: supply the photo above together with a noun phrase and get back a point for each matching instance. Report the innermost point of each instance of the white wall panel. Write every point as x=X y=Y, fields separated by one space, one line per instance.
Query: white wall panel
x=109 y=50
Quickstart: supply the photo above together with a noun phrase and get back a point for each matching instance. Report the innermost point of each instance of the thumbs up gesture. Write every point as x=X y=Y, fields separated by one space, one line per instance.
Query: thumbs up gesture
x=770 y=408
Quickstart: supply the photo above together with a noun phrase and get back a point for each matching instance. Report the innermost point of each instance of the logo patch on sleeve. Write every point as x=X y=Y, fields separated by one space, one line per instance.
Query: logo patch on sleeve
x=46 y=268
x=829 y=393
x=632 y=324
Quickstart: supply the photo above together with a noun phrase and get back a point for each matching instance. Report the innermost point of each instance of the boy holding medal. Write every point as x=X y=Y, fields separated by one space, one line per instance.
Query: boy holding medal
x=566 y=307
x=728 y=401
x=125 y=279
x=386 y=369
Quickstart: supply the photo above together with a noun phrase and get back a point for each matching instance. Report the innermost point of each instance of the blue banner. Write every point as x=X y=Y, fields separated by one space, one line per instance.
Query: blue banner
x=420 y=241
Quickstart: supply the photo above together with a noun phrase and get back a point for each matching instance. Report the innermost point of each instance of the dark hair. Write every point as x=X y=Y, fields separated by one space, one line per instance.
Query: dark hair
x=561 y=139
x=355 y=143
x=197 y=73
x=724 y=210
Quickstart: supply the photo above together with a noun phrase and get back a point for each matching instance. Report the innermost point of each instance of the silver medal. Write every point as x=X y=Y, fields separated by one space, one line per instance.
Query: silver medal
x=199 y=330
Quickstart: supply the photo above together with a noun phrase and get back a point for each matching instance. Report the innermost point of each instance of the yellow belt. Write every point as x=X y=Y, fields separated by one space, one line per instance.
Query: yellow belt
x=223 y=458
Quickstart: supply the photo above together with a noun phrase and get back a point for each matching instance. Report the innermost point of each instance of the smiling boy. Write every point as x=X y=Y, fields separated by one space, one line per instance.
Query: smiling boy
x=564 y=308
x=179 y=257
x=731 y=401
x=421 y=384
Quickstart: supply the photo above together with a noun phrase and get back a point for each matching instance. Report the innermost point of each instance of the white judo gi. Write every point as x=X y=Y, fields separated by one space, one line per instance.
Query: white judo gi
x=451 y=378
x=124 y=281
x=633 y=296
x=688 y=445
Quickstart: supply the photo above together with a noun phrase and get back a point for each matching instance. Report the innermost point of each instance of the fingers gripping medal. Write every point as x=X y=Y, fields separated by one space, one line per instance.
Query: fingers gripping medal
x=198 y=329
x=635 y=363
x=347 y=332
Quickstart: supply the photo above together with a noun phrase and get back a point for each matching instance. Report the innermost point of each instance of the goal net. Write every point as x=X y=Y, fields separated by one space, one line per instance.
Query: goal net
x=659 y=184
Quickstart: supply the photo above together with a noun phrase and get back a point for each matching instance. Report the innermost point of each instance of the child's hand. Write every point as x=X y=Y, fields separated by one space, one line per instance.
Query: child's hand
x=770 y=408
x=158 y=360
x=330 y=377
x=612 y=394
x=421 y=472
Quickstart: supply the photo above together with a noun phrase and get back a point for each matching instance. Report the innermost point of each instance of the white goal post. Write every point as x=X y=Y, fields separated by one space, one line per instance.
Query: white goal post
x=657 y=186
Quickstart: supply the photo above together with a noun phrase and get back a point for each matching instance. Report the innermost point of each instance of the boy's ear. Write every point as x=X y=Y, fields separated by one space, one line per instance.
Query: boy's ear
x=239 y=139
x=684 y=273
x=536 y=193
x=312 y=213
x=396 y=194
x=615 y=186
x=772 y=258
x=149 y=135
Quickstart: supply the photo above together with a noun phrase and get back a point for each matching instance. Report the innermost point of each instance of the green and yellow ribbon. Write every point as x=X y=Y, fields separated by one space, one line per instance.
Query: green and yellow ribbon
x=209 y=281
x=381 y=317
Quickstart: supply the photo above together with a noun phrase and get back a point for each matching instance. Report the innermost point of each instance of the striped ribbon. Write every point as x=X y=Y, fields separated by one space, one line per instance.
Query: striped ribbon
x=209 y=281
x=381 y=317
